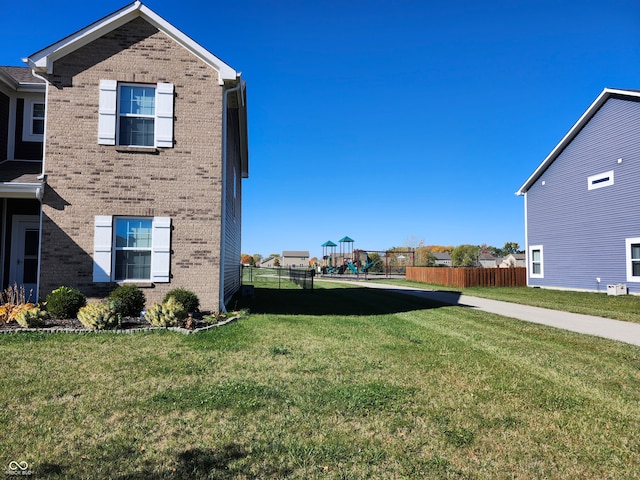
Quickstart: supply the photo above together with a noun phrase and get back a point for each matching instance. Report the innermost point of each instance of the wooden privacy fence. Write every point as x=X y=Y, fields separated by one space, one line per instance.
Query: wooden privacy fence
x=469 y=277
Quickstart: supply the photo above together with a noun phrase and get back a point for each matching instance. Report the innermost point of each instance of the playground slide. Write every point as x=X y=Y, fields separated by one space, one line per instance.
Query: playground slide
x=368 y=266
x=352 y=267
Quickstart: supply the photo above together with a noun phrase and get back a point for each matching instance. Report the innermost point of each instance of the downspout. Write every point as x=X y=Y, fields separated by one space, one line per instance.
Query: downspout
x=42 y=176
x=223 y=207
x=526 y=236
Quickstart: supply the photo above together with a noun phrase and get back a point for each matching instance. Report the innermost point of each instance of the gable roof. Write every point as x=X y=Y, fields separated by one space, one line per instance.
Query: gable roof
x=606 y=94
x=43 y=60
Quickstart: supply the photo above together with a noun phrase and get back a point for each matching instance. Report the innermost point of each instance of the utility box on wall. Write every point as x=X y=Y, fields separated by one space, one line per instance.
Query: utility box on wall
x=618 y=289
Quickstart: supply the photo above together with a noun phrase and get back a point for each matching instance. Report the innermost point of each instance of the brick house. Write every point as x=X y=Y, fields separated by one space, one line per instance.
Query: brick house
x=122 y=149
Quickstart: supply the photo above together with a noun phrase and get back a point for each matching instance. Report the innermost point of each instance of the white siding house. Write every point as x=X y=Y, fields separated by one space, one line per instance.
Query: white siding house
x=582 y=219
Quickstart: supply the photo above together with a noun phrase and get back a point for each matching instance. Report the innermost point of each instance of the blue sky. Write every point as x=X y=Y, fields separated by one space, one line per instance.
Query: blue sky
x=392 y=122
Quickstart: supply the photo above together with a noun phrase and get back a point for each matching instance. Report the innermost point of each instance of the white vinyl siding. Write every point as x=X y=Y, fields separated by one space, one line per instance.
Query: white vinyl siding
x=145 y=248
x=117 y=118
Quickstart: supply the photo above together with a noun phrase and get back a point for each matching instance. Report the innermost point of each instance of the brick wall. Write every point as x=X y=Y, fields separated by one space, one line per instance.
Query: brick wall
x=86 y=179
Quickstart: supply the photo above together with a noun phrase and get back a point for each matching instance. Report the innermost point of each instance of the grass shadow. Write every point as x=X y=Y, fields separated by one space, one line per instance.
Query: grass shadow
x=227 y=462
x=341 y=301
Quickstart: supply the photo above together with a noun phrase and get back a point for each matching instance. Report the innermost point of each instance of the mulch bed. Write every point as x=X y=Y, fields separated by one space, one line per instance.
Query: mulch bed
x=73 y=325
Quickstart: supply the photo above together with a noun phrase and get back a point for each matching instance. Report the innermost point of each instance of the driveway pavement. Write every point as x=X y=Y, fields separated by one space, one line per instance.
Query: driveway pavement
x=627 y=332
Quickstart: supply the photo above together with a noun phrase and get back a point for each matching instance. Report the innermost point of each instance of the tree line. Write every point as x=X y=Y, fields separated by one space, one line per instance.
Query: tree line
x=465 y=255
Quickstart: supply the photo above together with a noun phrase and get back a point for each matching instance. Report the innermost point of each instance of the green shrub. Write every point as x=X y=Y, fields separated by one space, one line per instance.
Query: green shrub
x=166 y=314
x=187 y=298
x=64 y=302
x=98 y=316
x=31 y=316
x=128 y=299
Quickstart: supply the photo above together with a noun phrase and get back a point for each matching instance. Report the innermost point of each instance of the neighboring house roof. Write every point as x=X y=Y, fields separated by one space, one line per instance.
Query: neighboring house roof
x=441 y=256
x=43 y=60
x=21 y=78
x=295 y=253
x=486 y=259
x=568 y=138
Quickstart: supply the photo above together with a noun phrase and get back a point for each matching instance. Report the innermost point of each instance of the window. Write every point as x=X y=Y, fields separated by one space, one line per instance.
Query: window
x=633 y=259
x=536 y=261
x=135 y=115
x=601 y=180
x=130 y=249
x=133 y=249
x=33 y=121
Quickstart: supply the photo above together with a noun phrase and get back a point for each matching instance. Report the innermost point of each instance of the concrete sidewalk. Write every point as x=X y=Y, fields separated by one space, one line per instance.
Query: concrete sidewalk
x=627 y=332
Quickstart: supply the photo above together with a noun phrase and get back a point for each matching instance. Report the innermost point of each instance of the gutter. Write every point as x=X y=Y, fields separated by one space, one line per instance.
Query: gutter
x=42 y=175
x=22 y=190
x=223 y=210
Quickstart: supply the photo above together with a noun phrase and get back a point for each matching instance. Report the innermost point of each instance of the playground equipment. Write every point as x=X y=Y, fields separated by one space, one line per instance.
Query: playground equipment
x=357 y=261
x=348 y=259
x=328 y=256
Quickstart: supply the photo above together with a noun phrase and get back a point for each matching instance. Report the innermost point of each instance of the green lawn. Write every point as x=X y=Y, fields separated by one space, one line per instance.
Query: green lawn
x=341 y=382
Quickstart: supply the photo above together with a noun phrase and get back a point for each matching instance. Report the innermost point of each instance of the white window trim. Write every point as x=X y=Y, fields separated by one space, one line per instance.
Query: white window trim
x=628 y=242
x=116 y=249
x=108 y=114
x=120 y=116
x=27 y=121
x=604 y=179
x=104 y=250
x=530 y=261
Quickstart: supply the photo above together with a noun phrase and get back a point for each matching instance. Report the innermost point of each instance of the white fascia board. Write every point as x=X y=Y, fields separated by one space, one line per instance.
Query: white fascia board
x=8 y=80
x=568 y=138
x=226 y=72
x=32 y=88
x=44 y=59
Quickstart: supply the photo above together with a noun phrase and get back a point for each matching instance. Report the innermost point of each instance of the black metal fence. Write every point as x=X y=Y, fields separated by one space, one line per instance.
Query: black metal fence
x=302 y=277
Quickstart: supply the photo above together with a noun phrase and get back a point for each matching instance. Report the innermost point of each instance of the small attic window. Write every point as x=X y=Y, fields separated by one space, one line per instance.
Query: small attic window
x=601 y=180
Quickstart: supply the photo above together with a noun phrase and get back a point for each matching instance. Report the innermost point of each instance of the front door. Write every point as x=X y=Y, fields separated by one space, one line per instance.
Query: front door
x=25 y=241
